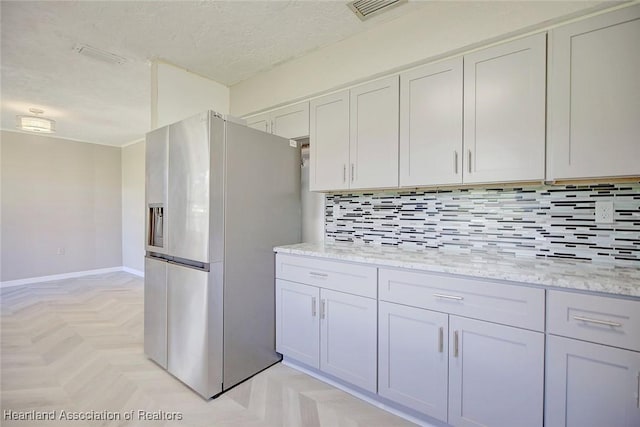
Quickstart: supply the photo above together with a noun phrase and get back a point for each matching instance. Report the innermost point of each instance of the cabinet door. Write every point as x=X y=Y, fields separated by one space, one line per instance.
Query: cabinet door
x=155 y=311
x=348 y=338
x=591 y=385
x=297 y=322
x=329 y=142
x=374 y=134
x=261 y=122
x=431 y=125
x=413 y=358
x=496 y=375
x=594 y=97
x=291 y=122
x=504 y=112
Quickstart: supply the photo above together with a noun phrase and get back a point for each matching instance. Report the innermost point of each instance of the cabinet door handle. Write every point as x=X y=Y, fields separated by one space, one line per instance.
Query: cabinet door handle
x=273 y=127
x=638 y=399
x=453 y=297
x=353 y=174
x=598 y=322
x=469 y=161
x=455 y=344
x=313 y=306
x=322 y=309
x=441 y=340
x=319 y=275
x=455 y=161
x=344 y=172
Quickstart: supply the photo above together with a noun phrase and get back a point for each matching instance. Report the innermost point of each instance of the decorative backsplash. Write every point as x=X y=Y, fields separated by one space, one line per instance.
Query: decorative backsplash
x=533 y=221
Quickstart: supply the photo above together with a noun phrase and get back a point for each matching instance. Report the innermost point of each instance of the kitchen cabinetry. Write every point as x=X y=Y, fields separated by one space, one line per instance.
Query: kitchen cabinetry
x=354 y=138
x=594 y=94
x=289 y=122
x=297 y=322
x=504 y=117
x=504 y=112
x=413 y=358
x=589 y=382
x=488 y=385
x=329 y=142
x=463 y=371
x=326 y=315
x=373 y=138
x=431 y=124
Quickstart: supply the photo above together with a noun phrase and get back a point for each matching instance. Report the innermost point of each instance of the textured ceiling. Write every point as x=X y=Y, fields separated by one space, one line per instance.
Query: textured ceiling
x=227 y=41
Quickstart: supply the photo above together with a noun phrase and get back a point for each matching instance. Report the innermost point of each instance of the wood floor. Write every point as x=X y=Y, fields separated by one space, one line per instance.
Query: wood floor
x=74 y=347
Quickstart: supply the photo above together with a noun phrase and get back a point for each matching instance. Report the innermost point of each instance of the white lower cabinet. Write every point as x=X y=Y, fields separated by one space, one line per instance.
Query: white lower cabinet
x=592 y=362
x=462 y=371
x=413 y=358
x=496 y=375
x=467 y=351
x=591 y=385
x=297 y=322
x=348 y=338
x=332 y=331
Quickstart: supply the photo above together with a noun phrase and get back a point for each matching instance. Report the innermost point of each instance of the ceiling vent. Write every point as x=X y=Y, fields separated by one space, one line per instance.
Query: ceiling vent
x=99 y=54
x=365 y=9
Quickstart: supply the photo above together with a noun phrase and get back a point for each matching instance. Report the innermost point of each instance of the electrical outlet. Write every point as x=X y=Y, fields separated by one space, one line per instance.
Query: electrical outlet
x=604 y=212
x=60 y=251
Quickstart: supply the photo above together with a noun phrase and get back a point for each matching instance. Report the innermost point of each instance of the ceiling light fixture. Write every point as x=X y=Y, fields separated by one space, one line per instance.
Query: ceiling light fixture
x=35 y=123
x=99 y=54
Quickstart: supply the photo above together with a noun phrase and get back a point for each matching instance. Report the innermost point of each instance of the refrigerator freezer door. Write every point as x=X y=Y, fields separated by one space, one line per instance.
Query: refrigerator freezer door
x=188 y=327
x=188 y=206
x=156 y=160
x=155 y=310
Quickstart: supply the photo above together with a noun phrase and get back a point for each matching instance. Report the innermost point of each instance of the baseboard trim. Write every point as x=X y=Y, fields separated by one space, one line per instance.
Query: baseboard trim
x=133 y=271
x=29 y=280
x=366 y=396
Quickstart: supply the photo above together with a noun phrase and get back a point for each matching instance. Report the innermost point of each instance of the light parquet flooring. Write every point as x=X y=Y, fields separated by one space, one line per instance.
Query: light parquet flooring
x=76 y=345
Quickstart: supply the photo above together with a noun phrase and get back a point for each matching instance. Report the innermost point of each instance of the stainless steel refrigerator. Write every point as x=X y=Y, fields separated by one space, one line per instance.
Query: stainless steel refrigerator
x=219 y=197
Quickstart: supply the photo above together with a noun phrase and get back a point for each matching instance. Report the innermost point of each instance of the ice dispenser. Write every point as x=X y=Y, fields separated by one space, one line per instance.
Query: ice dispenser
x=156 y=213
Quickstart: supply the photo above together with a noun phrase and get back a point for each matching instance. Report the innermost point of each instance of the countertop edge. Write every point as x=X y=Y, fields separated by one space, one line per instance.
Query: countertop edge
x=607 y=287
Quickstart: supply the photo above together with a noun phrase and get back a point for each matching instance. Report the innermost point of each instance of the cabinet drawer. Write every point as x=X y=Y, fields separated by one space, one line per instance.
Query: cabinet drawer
x=480 y=299
x=339 y=276
x=604 y=320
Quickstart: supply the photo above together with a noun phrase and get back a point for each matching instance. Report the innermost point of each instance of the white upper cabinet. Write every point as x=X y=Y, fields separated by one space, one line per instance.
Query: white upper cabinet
x=261 y=122
x=289 y=122
x=374 y=134
x=431 y=124
x=329 y=142
x=504 y=112
x=594 y=97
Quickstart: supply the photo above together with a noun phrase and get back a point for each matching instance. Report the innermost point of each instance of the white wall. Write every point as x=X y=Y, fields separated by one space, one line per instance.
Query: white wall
x=133 y=218
x=434 y=31
x=58 y=196
x=177 y=94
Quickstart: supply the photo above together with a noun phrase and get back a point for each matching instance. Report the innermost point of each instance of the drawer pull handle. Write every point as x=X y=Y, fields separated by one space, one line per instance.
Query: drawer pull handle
x=455 y=344
x=321 y=275
x=441 y=340
x=457 y=298
x=596 y=321
x=322 y=309
x=313 y=306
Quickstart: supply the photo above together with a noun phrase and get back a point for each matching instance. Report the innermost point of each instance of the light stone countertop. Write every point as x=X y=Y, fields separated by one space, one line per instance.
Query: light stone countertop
x=580 y=275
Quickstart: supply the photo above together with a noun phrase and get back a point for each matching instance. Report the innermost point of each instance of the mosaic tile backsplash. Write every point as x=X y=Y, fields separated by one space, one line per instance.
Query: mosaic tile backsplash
x=535 y=221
